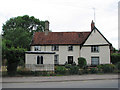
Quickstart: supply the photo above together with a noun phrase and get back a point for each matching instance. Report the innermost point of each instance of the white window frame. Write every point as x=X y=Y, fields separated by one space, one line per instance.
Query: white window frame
x=94 y=48
x=70 y=48
x=94 y=62
x=56 y=59
x=55 y=48
x=37 y=48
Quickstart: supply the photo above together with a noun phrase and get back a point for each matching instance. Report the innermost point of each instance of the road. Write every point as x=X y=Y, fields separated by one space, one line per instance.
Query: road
x=65 y=84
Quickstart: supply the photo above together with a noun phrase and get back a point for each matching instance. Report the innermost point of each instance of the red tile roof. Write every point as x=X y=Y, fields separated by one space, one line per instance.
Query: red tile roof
x=59 y=38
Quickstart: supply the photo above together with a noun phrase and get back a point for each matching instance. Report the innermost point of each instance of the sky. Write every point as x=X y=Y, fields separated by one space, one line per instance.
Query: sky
x=67 y=15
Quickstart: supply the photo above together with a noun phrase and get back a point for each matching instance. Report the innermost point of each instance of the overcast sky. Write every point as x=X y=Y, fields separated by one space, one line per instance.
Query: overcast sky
x=67 y=15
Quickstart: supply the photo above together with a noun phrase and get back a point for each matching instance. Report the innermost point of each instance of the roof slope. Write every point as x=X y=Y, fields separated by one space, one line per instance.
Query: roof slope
x=61 y=38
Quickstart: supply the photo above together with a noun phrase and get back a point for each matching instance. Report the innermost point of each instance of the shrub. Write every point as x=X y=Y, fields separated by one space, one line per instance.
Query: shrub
x=82 y=62
x=60 y=70
x=108 y=68
x=118 y=66
x=115 y=58
x=74 y=70
x=93 y=70
x=67 y=65
x=99 y=67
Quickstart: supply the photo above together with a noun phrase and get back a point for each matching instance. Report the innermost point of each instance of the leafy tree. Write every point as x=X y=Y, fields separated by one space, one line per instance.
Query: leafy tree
x=13 y=56
x=82 y=62
x=19 y=30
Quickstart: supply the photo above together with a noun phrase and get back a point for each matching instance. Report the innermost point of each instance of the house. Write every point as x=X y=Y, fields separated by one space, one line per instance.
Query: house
x=51 y=48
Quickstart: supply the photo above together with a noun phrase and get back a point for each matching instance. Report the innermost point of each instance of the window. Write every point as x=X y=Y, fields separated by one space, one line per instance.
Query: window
x=94 y=60
x=70 y=59
x=55 y=48
x=39 y=59
x=56 y=59
x=94 y=49
x=37 y=48
x=70 y=48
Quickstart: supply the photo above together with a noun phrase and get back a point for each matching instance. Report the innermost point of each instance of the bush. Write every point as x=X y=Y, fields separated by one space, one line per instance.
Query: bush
x=60 y=70
x=74 y=70
x=100 y=67
x=82 y=62
x=93 y=70
x=115 y=58
x=118 y=66
x=108 y=68
x=67 y=65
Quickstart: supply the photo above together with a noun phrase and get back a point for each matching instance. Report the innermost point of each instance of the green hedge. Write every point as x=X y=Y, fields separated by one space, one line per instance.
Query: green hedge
x=115 y=58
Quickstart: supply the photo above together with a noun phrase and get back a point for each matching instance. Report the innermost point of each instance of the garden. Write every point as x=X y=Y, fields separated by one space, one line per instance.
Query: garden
x=71 y=69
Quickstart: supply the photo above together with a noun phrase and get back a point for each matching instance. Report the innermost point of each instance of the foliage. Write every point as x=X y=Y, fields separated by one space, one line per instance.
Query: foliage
x=115 y=58
x=82 y=62
x=60 y=70
x=93 y=70
x=74 y=70
x=99 y=67
x=19 y=30
x=13 y=57
x=108 y=68
x=67 y=65
x=118 y=66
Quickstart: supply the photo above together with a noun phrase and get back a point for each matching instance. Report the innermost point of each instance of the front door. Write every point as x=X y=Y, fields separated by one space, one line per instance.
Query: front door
x=70 y=59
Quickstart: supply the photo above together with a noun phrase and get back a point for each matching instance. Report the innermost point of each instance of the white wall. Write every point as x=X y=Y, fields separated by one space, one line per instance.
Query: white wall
x=103 y=54
x=95 y=38
x=32 y=58
x=63 y=52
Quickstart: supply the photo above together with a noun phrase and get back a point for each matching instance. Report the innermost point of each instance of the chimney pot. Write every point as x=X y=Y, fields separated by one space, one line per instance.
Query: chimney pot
x=92 y=25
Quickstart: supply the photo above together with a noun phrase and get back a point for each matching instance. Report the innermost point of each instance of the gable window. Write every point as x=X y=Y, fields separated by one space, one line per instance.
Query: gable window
x=37 y=48
x=70 y=48
x=39 y=59
x=55 y=48
x=94 y=60
x=70 y=59
x=94 y=48
x=56 y=59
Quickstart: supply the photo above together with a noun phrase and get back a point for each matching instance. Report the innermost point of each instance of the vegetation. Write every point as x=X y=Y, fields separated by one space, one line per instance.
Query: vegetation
x=17 y=33
x=82 y=62
x=115 y=58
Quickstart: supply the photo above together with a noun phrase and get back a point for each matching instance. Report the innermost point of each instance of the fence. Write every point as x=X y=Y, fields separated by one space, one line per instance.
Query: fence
x=40 y=67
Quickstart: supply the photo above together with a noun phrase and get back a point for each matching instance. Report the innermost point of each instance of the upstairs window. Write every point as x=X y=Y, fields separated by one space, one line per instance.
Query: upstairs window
x=37 y=48
x=70 y=48
x=94 y=49
x=55 y=48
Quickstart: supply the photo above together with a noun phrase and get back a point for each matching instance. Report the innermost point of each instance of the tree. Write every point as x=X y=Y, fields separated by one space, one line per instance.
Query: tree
x=14 y=55
x=19 y=30
x=82 y=62
x=17 y=34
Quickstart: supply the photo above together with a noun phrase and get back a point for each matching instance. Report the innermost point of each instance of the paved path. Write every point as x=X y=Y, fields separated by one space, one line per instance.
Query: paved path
x=58 y=78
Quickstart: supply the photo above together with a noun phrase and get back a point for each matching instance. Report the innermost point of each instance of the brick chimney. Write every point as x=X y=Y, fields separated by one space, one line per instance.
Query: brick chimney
x=92 y=25
x=46 y=27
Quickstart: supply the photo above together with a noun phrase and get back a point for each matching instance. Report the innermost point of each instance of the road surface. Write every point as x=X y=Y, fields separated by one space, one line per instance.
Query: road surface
x=65 y=84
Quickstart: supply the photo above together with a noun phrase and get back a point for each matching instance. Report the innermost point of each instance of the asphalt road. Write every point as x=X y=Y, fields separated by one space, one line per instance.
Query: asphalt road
x=66 y=84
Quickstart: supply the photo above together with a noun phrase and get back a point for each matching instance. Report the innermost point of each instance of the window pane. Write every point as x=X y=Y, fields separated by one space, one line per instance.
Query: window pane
x=95 y=60
x=56 y=58
x=70 y=48
x=94 y=49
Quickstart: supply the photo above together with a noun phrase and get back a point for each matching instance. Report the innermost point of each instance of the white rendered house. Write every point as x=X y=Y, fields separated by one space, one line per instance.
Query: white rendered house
x=50 y=48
